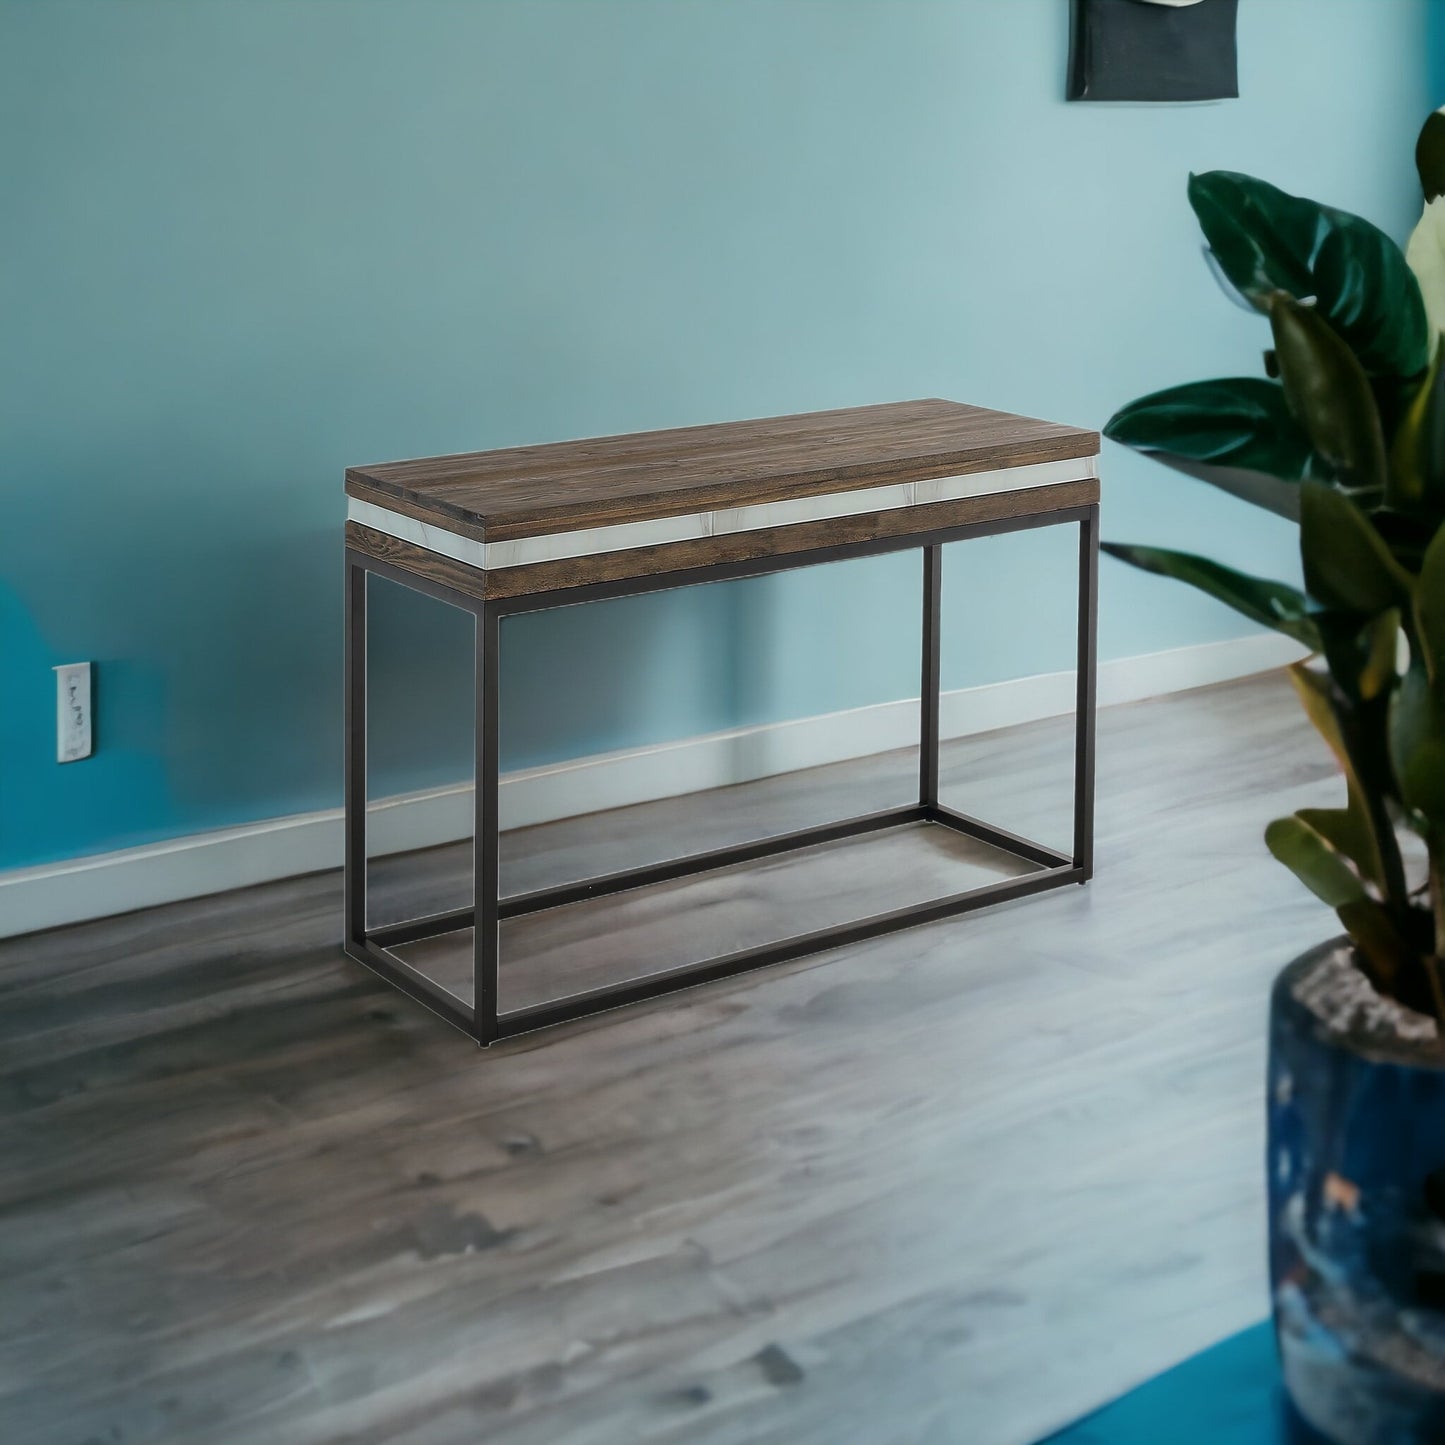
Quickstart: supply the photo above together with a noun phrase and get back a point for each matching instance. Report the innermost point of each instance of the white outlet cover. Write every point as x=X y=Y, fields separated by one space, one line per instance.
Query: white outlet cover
x=72 y=712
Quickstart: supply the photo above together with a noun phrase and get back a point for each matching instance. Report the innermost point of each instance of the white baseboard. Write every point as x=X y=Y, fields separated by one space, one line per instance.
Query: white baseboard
x=202 y=863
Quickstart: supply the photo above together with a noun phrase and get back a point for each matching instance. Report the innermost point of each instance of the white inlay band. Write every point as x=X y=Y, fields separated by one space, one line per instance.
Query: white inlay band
x=621 y=537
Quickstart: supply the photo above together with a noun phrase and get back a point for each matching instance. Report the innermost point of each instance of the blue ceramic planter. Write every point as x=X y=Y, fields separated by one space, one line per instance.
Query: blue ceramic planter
x=1356 y=1219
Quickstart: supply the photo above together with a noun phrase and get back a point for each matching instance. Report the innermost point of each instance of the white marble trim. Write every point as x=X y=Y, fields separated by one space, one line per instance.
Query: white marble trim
x=589 y=541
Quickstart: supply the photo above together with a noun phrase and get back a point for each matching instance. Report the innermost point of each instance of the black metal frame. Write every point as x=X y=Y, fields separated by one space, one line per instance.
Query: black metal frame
x=481 y=1019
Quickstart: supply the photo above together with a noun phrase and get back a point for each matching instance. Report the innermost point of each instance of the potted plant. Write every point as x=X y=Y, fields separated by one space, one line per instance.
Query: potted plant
x=1345 y=435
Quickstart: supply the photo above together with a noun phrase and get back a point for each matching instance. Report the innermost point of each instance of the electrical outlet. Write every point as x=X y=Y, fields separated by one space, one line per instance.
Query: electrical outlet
x=72 y=712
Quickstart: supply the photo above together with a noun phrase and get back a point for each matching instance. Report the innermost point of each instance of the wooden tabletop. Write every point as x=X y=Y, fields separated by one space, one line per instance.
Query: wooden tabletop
x=565 y=486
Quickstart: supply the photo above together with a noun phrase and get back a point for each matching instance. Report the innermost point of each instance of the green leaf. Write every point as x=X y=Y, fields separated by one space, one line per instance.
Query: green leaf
x=1381 y=650
x=1430 y=156
x=1361 y=768
x=1408 y=536
x=1238 y=434
x=1417 y=745
x=1347 y=830
x=1425 y=256
x=1311 y=859
x=1265 y=240
x=1350 y=828
x=1376 y=935
x=1363 y=659
x=1329 y=394
x=1347 y=565
x=1430 y=609
x=1270 y=604
x=1314 y=692
x=1417 y=457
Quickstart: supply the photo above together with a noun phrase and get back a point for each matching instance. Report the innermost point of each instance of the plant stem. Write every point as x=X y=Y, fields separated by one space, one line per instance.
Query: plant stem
x=1432 y=972
x=1392 y=863
x=1435 y=846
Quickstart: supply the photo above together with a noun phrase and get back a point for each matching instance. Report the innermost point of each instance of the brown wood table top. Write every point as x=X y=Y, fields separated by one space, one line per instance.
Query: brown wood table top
x=532 y=491
x=527 y=520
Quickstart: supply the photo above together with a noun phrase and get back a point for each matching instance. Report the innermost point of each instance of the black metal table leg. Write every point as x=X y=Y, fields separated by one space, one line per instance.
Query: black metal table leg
x=485 y=835
x=1087 y=690
x=929 y=692
x=355 y=766
x=365 y=945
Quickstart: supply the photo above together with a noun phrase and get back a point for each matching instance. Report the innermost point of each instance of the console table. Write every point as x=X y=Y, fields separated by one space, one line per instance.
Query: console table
x=503 y=532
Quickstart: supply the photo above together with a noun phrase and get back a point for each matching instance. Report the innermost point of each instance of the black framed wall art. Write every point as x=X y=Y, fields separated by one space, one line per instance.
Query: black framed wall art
x=1154 y=50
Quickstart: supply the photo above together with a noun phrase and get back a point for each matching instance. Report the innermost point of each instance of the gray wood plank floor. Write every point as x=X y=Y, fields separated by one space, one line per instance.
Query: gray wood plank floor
x=957 y=1185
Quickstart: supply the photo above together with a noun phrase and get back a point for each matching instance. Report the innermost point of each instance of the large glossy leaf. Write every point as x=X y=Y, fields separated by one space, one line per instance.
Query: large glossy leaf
x=1329 y=395
x=1230 y=290
x=1266 y=240
x=1347 y=565
x=1237 y=433
x=1314 y=862
x=1268 y=603
x=1430 y=156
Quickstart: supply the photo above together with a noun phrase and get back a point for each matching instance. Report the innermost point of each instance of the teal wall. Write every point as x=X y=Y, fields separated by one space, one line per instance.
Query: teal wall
x=246 y=244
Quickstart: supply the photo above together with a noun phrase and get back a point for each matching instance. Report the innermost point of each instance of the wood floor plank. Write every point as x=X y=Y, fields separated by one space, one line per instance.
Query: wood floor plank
x=956 y=1185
